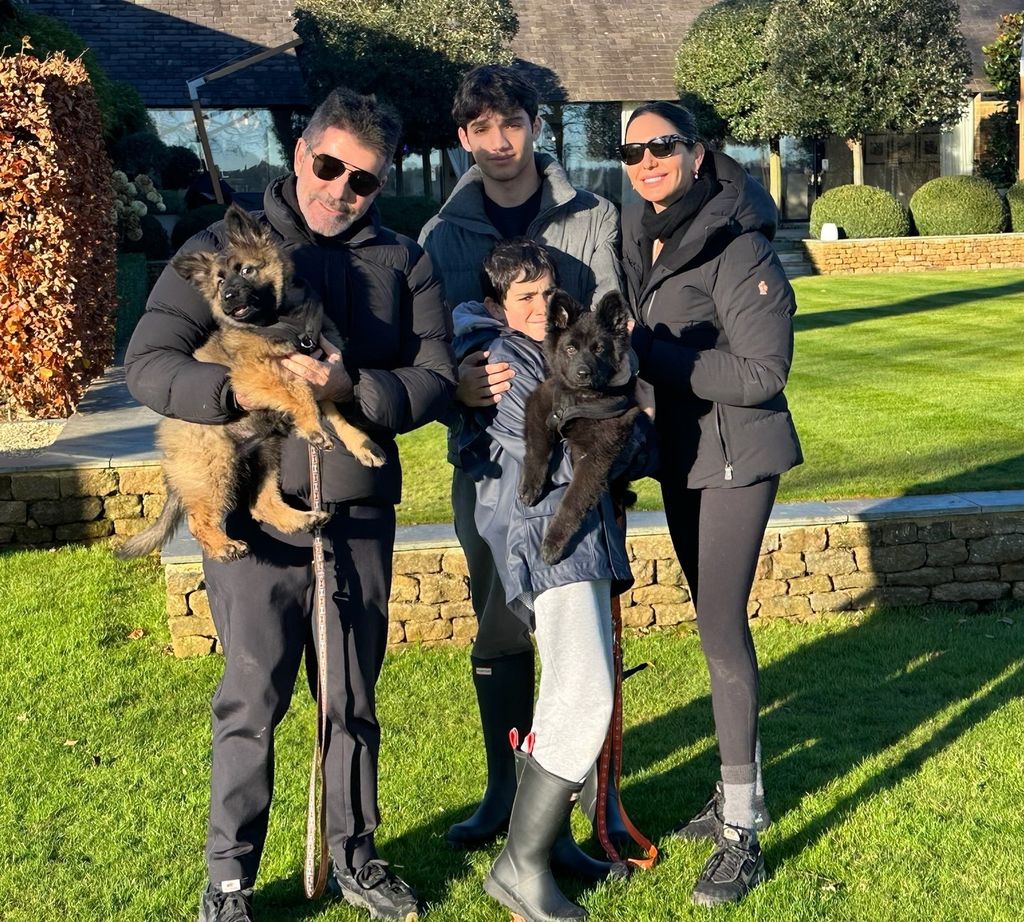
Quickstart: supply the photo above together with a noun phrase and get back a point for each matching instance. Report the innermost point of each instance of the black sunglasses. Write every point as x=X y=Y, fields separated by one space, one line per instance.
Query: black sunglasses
x=631 y=154
x=330 y=168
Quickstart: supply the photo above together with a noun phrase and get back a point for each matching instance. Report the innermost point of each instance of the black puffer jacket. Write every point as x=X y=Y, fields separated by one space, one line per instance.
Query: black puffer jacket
x=714 y=335
x=380 y=290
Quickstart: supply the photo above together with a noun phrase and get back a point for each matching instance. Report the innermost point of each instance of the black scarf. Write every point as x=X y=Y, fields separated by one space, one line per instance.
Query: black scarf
x=670 y=226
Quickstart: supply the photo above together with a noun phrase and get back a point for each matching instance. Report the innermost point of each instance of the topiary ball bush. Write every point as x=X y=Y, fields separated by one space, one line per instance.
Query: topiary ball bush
x=192 y=222
x=953 y=205
x=860 y=211
x=180 y=167
x=142 y=152
x=154 y=243
x=1015 y=201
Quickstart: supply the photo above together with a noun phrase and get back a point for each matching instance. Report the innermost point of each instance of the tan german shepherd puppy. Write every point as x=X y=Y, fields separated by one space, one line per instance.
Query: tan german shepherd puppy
x=204 y=466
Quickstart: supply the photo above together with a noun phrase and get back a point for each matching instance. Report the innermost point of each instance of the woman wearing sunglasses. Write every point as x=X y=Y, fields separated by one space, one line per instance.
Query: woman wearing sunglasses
x=714 y=334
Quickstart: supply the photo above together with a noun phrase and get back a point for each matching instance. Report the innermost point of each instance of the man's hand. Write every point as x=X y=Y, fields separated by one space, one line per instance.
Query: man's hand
x=482 y=385
x=643 y=394
x=324 y=371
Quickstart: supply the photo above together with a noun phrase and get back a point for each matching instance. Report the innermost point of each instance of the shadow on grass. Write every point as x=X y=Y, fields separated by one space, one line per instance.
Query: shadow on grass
x=930 y=302
x=829 y=706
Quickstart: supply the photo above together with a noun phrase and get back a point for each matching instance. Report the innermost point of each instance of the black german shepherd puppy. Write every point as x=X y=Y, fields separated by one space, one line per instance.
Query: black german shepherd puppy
x=587 y=398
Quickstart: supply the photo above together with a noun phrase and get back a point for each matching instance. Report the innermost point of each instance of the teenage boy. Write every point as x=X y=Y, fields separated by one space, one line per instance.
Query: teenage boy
x=511 y=191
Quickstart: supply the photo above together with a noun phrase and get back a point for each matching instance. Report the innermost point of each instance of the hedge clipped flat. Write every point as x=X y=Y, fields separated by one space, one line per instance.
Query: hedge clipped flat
x=1015 y=202
x=953 y=205
x=860 y=211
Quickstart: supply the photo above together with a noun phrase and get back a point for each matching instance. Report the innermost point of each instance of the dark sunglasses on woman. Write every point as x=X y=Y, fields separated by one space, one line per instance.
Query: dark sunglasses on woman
x=330 y=168
x=631 y=154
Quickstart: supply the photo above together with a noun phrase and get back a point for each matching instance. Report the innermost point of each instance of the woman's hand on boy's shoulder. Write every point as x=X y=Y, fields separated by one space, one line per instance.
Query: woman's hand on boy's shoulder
x=482 y=384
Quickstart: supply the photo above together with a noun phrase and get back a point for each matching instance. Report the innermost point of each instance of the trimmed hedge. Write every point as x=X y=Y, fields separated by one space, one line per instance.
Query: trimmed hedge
x=132 y=291
x=952 y=205
x=57 y=270
x=1015 y=202
x=860 y=211
x=192 y=222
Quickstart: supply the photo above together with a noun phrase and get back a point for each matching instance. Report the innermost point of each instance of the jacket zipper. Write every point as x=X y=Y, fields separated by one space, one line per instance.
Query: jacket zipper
x=650 y=307
x=721 y=439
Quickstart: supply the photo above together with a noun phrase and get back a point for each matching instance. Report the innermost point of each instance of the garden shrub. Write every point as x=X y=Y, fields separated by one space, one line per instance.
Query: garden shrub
x=180 y=167
x=153 y=242
x=406 y=214
x=860 y=211
x=1015 y=202
x=57 y=271
x=192 y=222
x=141 y=152
x=132 y=291
x=953 y=205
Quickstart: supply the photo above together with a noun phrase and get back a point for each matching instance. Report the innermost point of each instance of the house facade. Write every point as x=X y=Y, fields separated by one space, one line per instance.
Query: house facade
x=593 y=61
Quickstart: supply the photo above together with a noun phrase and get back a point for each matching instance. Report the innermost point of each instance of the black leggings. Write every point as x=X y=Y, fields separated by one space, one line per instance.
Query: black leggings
x=717 y=536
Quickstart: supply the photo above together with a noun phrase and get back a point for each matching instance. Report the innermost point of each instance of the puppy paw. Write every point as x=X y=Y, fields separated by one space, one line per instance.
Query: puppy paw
x=316 y=520
x=318 y=438
x=229 y=551
x=370 y=454
x=552 y=550
x=530 y=492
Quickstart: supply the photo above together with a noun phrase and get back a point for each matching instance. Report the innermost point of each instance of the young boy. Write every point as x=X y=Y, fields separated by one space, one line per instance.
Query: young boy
x=568 y=604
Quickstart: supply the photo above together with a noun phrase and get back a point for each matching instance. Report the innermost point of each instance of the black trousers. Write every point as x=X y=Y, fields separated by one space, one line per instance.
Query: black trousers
x=262 y=607
x=717 y=536
x=499 y=632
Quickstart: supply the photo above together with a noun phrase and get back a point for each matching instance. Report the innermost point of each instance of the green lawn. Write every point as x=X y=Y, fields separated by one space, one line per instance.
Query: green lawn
x=893 y=765
x=902 y=383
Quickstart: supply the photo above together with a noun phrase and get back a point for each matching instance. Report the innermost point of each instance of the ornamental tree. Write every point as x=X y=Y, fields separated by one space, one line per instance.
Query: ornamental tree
x=856 y=67
x=999 y=162
x=411 y=53
x=723 y=63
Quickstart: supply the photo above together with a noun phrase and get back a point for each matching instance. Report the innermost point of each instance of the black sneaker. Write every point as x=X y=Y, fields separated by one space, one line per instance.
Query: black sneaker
x=708 y=821
x=735 y=868
x=218 y=906
x=377 y=889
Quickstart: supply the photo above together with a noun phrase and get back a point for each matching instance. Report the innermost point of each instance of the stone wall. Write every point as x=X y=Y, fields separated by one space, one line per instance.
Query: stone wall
x=882 y=553
x=81 y=504
x=914 y=254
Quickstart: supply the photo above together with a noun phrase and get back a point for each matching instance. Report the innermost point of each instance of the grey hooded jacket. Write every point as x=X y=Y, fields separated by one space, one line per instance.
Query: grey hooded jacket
x=714 y=335
x=581 y=230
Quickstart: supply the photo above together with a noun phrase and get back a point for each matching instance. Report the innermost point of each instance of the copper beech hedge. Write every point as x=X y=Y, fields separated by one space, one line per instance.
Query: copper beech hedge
x=58 y=292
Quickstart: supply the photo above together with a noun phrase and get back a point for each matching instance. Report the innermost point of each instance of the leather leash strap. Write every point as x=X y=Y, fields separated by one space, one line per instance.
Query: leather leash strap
x=610 y=760
x=314 y=875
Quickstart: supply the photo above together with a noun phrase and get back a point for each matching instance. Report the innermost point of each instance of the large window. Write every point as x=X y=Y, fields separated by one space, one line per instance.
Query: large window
x=244 y=145
x=584 y=136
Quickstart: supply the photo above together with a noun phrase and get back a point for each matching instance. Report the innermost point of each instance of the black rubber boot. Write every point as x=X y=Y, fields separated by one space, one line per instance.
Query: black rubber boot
x=521 y=879
x=588 y=804
x=567 y=858
x=504 y=692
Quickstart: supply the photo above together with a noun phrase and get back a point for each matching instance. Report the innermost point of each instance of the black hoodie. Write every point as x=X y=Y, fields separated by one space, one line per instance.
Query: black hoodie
x=379 y=289
x=714 y=335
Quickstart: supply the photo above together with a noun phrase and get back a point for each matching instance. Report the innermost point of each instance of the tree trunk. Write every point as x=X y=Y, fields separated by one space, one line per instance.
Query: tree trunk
x=857 y=150
x=775 y=172
x=399 y=183
x=428 y=184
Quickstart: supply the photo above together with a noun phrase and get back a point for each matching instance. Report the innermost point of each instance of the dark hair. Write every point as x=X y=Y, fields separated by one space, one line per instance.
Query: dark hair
x=493 y=87
x=681 y=118
x=377 y=124
x=511 y=259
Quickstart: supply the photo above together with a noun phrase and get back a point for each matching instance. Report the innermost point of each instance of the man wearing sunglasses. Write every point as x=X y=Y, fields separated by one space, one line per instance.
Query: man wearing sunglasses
x=397 y=373
x=511 y=191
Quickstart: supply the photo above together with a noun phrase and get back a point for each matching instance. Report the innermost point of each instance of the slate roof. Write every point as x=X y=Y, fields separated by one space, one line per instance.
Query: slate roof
x=157 y=45
x=581 y=50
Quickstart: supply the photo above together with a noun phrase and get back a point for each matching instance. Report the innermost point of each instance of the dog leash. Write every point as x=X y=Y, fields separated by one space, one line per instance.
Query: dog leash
x=317 y=852
x=610 y=759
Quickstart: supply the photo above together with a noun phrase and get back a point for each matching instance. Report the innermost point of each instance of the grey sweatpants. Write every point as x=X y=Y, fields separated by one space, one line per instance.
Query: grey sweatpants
x=574 y=707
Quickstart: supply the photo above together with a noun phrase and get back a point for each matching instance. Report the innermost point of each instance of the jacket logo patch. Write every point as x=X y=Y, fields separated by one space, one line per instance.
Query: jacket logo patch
x=762 y=287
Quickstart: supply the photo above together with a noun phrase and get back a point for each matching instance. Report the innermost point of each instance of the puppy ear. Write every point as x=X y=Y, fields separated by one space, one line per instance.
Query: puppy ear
x=241 y=227
x=612 y=312
x=197 y=266
x=563 y=310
